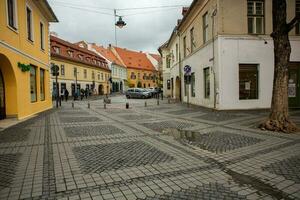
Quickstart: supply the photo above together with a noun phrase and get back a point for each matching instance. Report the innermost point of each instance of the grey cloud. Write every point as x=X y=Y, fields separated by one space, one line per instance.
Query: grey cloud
x=143 y=31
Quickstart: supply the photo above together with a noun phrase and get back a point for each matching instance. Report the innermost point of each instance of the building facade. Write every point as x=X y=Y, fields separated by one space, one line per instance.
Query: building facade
x=79 y=69
x=118 y=68
x=24 y=57
x=228 y=47
x=140 y=71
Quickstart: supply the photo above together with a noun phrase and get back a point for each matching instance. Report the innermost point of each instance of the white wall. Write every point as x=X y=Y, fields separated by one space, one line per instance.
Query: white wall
x=246 y=50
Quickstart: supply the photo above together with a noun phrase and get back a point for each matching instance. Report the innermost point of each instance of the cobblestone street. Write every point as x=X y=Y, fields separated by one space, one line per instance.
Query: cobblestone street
x=165 y=151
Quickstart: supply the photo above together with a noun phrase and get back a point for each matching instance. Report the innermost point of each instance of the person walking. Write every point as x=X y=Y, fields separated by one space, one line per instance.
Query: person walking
x=66 y=94
x=86 y=92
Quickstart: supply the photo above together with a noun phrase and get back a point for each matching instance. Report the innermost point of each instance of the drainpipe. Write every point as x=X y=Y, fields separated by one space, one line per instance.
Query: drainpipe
x=213 y=51
x=180 y=64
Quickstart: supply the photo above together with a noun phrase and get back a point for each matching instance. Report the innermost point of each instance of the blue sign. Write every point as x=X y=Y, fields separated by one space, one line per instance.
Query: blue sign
x=187 y=69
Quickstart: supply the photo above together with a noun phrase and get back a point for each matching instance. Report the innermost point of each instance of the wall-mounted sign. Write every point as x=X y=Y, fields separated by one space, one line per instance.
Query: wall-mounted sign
x=292 y=90
x=187 y=70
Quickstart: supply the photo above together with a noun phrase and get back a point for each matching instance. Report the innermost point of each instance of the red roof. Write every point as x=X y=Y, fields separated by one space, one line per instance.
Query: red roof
x=156 y=57
x=75 y=53
x=108 y=54
x=134 y=59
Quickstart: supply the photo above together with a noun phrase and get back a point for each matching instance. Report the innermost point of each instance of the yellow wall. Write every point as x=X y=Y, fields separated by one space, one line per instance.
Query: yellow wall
x=134 y=82
x=14 y=48
x=69 y=73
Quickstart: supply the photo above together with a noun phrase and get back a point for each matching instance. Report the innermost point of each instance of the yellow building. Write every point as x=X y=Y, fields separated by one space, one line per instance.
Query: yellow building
x=78 y=68
x=24 y=57
x=140 y=71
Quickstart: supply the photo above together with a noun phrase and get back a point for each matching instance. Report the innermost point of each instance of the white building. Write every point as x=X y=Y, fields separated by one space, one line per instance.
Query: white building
x=230 y=54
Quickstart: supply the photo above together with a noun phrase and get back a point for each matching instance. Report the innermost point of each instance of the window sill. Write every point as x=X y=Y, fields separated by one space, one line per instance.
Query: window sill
x=15 y=30
x=30 y=41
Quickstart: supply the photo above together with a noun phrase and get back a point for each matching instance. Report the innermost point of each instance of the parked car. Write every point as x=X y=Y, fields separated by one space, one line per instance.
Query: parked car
x=137 y=93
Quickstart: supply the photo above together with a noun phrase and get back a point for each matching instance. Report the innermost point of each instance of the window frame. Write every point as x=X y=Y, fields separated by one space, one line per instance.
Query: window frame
x=31 y=38
x=192 y=39
x=35 y=81
x=257 y=80
x=205 y=26
x=206 y=89
x=42 y=35
x=62 y=70
x=42 y=85
x=255 y=16
x=15 y=26
x=297 y=12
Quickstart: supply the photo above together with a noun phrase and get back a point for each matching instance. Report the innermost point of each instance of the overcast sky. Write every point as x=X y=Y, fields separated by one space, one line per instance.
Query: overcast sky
x=93 y=21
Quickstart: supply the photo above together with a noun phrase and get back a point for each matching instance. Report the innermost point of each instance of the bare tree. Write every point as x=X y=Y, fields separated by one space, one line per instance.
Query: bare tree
x=279 y=117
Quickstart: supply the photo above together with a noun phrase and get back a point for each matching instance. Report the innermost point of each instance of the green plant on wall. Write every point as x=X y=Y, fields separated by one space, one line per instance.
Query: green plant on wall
x=24 y=67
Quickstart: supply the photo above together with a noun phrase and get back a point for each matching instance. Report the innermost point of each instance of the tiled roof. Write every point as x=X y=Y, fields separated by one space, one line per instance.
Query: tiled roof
x=75 y=53
x=108 y=54
x=156 y=57
x=134 y=59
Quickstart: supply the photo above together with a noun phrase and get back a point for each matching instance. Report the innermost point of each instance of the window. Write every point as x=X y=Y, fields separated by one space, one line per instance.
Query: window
x=256 y=16
x=184 y=46
x=168 y=84
x=206 y=83
x=205 y=27
x=85 y=73
x=42 y=36
x=248 y=81
x=33 y=83
x=56 y=50
x=193 y=85
x=71 y=53
x=98 y=76
x=192 y=39
x=29 y=24
x=132 y=76
x=168 y=60
x=177 y=56
x=12 y=14
x=62 y=70
x=298 y=14
x=75 y=71
x=42 y=84
x=102 y=76
x=93 y=75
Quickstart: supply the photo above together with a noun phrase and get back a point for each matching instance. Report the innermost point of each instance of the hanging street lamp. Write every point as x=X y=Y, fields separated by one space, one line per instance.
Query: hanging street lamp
x=120 y=23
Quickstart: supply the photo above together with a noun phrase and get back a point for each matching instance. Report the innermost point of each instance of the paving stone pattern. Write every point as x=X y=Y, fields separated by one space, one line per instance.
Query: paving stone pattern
x=289 y=168
x=218 y=117
x=160 y=126
x=103 y=157
x=61 y=155
x=222 y=141
x=83 y=131
x=209 y=191
x=16 y=135
x=79 y=119
x=8 y=164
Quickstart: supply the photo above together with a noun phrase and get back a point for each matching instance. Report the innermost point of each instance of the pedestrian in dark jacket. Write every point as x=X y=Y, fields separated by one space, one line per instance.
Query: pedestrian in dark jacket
x=66 y=94
x=86 y=92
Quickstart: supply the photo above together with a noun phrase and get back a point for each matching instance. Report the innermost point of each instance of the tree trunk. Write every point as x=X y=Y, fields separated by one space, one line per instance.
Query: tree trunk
x=279 y=116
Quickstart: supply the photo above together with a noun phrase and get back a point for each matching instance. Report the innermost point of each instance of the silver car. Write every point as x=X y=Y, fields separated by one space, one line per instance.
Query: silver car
x=138 y=93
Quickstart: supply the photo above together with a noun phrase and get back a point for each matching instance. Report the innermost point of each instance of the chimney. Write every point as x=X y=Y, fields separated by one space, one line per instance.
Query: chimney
x=184 y=10
x=109 y=45
x=141 y=51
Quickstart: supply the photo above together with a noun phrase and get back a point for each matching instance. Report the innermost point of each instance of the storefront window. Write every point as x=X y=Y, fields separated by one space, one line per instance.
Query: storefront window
x=193 y=85
x=42 y=84
x=206 y=83
x=33 y=83
x=248 y=81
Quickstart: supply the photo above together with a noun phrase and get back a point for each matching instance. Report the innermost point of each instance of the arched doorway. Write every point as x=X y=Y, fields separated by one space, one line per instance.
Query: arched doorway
x=177 y=88
x=100 y=90
x=2 y=97
x=8 y=87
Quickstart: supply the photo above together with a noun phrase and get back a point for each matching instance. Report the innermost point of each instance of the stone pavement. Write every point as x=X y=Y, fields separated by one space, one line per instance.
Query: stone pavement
x=165 y=151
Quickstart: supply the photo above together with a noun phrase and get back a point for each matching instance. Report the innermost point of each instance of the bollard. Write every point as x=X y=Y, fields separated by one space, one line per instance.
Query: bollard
x=89 y=105
x=145 y=103
x=158 y=102
x=127 y=105
x=73 y=104
x=104 y=105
